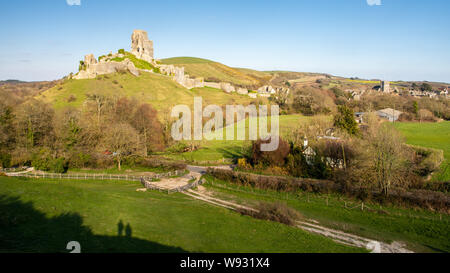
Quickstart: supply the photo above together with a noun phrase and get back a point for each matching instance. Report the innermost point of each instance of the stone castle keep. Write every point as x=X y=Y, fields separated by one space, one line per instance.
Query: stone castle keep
x=142 y=48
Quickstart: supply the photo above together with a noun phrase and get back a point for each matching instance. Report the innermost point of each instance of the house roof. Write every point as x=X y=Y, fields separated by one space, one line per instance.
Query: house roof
x=390 y=112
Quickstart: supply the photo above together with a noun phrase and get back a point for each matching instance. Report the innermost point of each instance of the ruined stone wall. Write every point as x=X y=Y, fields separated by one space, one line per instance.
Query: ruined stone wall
x=94 y=68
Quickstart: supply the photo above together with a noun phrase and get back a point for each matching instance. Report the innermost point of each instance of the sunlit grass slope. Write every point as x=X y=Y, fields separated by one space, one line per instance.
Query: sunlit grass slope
x=215 y=71
x=158 y=90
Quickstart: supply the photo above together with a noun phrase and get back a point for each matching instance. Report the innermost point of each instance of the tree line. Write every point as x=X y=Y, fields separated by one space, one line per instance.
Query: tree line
x=103 y=129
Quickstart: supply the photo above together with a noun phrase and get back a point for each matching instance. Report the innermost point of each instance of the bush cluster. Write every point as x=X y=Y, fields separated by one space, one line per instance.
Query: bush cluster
x=419 y=198
x=277 y=212
x=43 y=161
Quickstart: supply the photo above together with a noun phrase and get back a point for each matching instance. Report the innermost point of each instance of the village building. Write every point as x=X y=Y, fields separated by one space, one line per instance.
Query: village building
x=389 y=114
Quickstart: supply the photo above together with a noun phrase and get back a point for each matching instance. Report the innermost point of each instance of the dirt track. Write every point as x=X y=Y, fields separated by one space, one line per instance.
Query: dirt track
x=311 y=226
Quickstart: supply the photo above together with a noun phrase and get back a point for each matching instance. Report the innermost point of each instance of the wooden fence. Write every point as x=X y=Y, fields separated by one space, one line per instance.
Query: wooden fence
x=86 y=176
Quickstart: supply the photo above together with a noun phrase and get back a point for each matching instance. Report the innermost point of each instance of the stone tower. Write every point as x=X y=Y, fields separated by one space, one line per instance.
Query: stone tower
x=385 y=87
x=141 y=46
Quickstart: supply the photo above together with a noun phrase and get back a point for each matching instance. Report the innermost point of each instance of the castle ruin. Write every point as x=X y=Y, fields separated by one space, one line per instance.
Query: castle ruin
x=141 y=46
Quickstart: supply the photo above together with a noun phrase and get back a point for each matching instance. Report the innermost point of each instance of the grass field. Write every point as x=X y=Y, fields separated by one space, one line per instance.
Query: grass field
x=421 y=230
x=216 y=150
x=44 y=215
x=371 y=82
x=431 y=135
x=197 y=67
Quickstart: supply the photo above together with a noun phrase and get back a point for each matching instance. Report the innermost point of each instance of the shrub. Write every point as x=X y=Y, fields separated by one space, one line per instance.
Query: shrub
x=178 y=147
x=80 y=160
x=422 y=198
x=58 y=165
x=81 y=66
x=121 y=51
x=296 y=163
x=5 y=160
x=71 y=98
x=277 y=212
x=277 y=183
x=41 y=160
x=242 y=164
x=430 y=159
x=345 y=120
x=319 y=169
x=270 y=158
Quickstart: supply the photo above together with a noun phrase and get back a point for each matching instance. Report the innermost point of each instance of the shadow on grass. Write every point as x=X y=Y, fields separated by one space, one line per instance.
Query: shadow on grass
x=25 y=229
x=233 y=153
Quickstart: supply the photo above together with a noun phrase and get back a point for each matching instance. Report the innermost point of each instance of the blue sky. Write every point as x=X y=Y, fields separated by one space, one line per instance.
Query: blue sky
x=397 y=40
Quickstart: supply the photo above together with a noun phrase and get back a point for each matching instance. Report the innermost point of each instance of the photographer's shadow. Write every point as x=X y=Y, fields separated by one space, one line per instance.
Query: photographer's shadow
x=25 y=229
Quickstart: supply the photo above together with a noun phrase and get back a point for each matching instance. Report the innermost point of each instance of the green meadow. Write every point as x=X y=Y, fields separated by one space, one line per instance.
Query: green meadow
x=110 y=216
x=226 y=150
x=430 y=135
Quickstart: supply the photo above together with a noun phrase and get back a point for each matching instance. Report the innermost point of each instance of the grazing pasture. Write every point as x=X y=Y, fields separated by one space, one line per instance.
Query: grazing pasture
x=430 y=135
x=110 y=216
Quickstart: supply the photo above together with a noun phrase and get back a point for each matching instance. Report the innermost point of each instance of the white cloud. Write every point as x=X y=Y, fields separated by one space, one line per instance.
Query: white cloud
x=78 y=2
x=374 y=2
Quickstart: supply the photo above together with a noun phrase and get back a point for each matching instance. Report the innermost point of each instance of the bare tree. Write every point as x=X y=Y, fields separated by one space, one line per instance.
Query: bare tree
x=386 y=154
x=100 y=102
x=122 y=140
x=34 y=124
x=146 y=123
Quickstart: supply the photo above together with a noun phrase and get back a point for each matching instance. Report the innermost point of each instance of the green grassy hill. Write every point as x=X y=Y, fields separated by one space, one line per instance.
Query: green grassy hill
x=44 y=215
x=214 y=71
x=158 y=90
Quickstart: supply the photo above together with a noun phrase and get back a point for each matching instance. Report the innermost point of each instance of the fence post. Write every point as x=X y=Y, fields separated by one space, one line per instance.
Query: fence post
x=327 y=200
x=362 y=206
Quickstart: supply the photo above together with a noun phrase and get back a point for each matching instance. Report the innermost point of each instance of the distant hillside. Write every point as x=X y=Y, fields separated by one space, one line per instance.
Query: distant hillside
x=13 y=92
x=217 y=72
x=158 y=90
x=11 y=82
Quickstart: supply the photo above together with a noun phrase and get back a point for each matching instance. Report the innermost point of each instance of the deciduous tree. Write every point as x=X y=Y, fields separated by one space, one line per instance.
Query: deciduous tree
x=122 y=140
